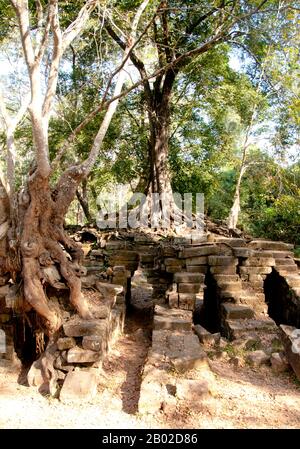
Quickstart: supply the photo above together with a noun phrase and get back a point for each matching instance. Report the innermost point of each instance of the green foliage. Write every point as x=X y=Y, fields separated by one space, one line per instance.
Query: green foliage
x=211 y=109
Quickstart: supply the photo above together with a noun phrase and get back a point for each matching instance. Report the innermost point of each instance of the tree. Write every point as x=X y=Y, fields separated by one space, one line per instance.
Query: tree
x=36 y=239
x=267 y=76
x=180 y=34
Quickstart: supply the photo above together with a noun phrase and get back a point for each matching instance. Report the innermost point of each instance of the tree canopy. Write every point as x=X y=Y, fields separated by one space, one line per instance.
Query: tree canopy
x=220 y=76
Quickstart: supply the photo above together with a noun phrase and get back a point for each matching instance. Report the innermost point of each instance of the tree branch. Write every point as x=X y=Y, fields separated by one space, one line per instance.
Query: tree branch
x=105 y=104
x=22 y=11
x=90 y=161
x=11 y=124
x=56 y=56
x=75 y=27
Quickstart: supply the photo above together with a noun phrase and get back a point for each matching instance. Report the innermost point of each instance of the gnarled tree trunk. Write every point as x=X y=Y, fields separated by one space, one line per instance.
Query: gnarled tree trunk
x=34 y=246
x=37 y=242
x=159 y=119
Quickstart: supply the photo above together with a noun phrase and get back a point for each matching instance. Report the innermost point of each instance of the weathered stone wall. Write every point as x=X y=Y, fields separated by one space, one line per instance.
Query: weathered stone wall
x=220 y=282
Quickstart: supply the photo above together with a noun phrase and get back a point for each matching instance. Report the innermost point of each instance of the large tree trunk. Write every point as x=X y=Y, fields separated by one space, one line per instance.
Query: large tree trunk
x=159 y=152
x=158 y=104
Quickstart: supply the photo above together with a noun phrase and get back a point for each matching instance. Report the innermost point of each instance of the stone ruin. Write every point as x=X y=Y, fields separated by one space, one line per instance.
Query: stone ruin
x=198 y=291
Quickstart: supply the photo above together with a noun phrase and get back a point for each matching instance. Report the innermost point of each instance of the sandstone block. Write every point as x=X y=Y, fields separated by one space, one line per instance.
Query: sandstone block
x=279 y=362
x=270 y=245
x=258 y=358
x=79 y=355
x=204 y=336
x=201 y=260
x=187 y=301
x=66 y=343
x=259 y=262
x=94 y=343
x=291 y=341
x=197 y=268
x=79 y=328
x=242 y=252
x=255 y=270
x=171 y=323
x=223 y=269
x=189 y=288
x=188 y=277
x=79 y=386
x=203 y=250
x=236 y=311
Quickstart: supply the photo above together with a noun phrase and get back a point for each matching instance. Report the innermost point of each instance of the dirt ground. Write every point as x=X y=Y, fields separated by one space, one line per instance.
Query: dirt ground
x=241 y=397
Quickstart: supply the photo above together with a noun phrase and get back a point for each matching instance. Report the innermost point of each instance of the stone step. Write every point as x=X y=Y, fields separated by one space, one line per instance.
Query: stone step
x=230 y=286
x=182 y=277
x=189 y=288
x=274 y=254
x=93 y=263
x=257 y=278
x=254 y=286
x=166 y=311
x=293 y=281
x=236 y=311
x=255 y=270
x=202 y=260
x=172 y=268
x=182 y=349
x=248 y=298
x=284 y=270
x=285 y=261
x=171 y=261
x=259 y=295
x=204 y=336
x=79 y=386
x=243 y=252
x=197 y=237
x=236 y=328
x=172 y=319
x=270 y=245
x=222 y=260
x=235 y=242
x=230 y=294
x=226 y=278
x=223 y=269
x=259 y=262
x=197 y=268
x=203 y=250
